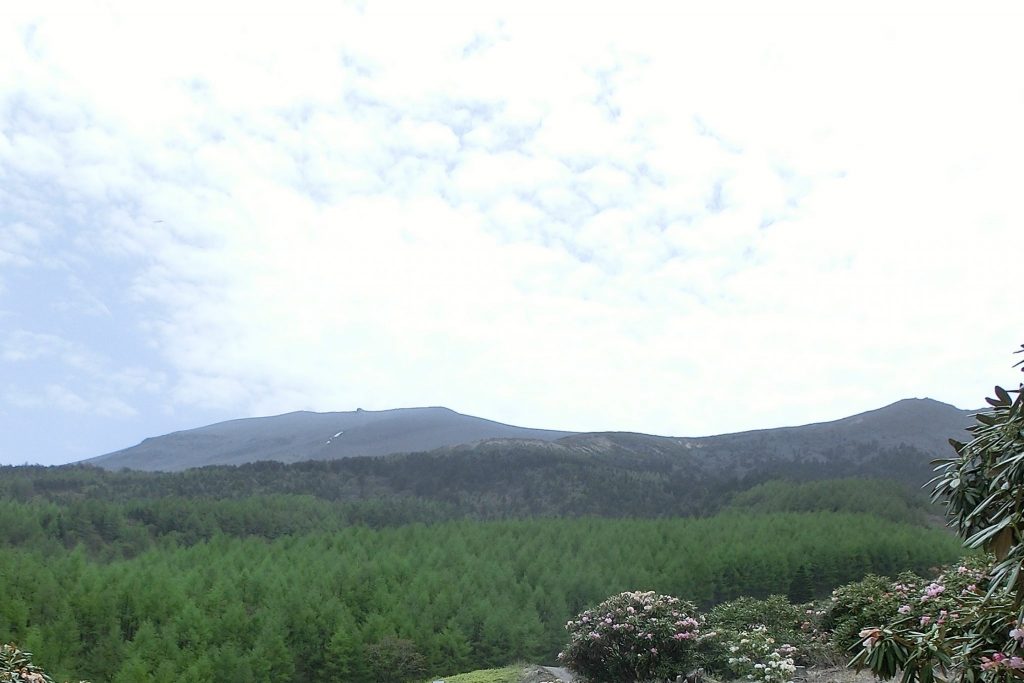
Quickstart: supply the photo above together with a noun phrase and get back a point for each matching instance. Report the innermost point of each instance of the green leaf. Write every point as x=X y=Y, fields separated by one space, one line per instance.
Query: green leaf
x=986 y=419
x=983 y=537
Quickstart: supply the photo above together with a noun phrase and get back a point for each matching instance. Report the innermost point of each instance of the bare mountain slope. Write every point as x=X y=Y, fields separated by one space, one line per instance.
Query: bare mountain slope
x=897 y=441
x=314 y=436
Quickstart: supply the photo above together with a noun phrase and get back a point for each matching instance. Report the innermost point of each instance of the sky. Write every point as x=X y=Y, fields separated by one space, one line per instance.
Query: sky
x=681 y=218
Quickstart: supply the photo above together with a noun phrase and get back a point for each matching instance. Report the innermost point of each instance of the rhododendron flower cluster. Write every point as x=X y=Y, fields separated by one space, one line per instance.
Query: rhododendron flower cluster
x=871 y=636
x=932 y=591
x=756 y=657
x=1000 y=659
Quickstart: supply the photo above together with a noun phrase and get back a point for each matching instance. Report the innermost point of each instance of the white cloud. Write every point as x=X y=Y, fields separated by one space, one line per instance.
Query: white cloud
x=55 y=397
x=589 y=220
x=100 y=387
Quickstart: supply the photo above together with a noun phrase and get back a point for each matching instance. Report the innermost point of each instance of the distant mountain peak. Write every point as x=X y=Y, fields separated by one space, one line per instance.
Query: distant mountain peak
x=924 y=402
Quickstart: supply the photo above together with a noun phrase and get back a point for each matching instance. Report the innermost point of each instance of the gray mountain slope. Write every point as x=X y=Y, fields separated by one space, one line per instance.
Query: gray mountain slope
x=294 y=437
x=918 y=422
x=914 y=429
x=918 y=426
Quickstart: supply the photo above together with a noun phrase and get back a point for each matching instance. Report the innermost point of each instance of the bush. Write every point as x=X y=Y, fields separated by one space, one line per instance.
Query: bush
x=868 y=602
x=932 y=624
x=782 y=621
x=756 y=656
x=638 y=636
x=969 y=631
x=16 y=667
x=394 y=660
x=782 y=618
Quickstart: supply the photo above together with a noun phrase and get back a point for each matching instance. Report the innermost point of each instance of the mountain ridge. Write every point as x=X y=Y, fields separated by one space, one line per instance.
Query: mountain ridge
x=919 y=423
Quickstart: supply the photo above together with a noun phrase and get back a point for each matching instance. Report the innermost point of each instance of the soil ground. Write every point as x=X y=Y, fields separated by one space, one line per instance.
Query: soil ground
x=837 y=674
x=834 y=674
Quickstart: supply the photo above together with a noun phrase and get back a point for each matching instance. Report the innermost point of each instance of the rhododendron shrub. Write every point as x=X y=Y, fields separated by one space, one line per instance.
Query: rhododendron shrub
x=746 y=624
x=16 y=667
x=968 y=631
x=782 y=621
x=635 y=636
x=871 y=601
x=938 y=624
x=756 y=656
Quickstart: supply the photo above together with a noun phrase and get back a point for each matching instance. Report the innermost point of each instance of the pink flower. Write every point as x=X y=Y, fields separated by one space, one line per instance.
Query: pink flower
x=904 y=609
x=932 y=591
x=997 y=659
x=871 y=636
x=925 y=620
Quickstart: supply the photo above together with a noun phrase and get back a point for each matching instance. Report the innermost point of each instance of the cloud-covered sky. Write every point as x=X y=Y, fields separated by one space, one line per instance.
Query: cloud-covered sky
x=682 y=219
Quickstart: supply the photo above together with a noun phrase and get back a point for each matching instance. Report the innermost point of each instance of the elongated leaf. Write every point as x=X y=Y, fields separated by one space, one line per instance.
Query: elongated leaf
x=984 y=536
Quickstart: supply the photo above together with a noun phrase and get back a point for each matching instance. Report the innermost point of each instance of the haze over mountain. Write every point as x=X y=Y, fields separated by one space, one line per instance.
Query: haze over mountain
x=919 y=425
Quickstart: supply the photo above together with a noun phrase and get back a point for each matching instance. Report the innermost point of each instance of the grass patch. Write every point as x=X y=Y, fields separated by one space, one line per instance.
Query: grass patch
x=508 y=674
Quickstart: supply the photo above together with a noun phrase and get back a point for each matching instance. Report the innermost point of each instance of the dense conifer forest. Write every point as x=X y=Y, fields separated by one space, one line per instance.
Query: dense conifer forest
x=274 y=572
x=486 y=482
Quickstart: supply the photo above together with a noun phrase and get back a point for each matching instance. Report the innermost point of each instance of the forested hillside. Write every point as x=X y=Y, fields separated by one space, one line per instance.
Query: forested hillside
x=466 y=558
x=491 y=480
x=466 y=594
x=887 y=499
